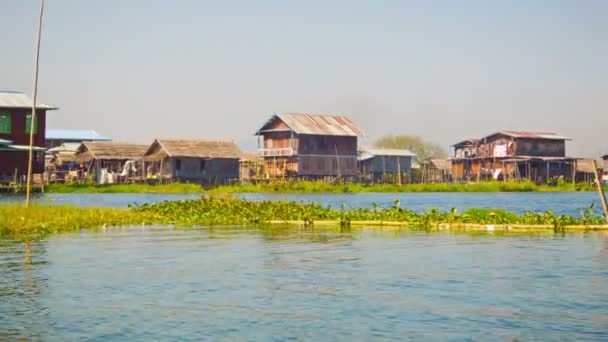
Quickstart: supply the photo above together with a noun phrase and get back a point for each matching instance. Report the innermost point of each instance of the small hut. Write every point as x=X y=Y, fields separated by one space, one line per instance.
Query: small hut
x=252 y=166
x=193 y=160
x=111 y=162
x=382 y=164
x=436 y=171
x=61 y=163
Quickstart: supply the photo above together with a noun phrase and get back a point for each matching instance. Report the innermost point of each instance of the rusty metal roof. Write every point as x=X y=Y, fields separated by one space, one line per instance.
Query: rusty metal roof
x=14 y=99
x=531 y=135
x=317 y=124
x=467 y=142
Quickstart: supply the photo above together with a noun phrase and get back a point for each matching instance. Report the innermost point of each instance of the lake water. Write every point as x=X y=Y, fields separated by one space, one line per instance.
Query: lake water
x=565 y=203
x=234 y=284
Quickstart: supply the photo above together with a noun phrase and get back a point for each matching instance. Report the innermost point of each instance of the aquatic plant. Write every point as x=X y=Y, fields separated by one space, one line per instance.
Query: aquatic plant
x=40 y=220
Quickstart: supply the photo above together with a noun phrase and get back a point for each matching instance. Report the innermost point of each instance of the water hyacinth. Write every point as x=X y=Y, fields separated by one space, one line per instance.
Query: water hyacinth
x=20 y=223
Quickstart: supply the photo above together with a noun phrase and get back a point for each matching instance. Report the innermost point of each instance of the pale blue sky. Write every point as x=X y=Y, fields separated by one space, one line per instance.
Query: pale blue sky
x=445 y=70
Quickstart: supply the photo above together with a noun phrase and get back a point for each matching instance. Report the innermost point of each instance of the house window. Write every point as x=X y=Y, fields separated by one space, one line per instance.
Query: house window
x=5 y=123
x=28 y=123
x=203 y=164
x=178 y=164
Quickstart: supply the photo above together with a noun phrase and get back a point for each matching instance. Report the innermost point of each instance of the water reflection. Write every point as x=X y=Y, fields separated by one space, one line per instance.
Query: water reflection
x=281 y=283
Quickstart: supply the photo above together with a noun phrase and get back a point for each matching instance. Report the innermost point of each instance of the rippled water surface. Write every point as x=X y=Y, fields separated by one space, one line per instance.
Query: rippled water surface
x=563 y=203
x=287 y=283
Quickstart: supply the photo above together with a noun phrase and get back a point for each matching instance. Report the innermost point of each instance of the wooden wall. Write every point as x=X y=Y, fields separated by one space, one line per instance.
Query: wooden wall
x=18 y=135
x=201 y=170
x=385 y=164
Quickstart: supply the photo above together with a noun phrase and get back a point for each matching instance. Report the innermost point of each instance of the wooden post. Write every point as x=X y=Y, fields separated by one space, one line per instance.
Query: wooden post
x=398 y=171
x=600 y=189
x=573 y=165
x=33 y=115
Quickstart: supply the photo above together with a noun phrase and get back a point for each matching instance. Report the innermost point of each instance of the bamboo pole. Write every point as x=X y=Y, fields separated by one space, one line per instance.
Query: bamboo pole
x=33 y=120
x=600 y=189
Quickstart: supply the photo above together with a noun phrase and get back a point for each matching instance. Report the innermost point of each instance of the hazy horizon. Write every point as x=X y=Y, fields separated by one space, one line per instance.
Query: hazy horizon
x=137 y=70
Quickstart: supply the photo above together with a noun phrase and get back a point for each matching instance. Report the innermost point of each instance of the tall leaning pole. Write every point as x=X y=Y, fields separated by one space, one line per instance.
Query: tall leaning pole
x=28 y=188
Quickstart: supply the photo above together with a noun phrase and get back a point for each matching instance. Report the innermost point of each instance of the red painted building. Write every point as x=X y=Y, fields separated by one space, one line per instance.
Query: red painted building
x=15 y=119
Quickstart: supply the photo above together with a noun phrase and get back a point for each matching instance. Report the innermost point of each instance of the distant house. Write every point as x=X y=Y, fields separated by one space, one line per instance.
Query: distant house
x=15 y=123
x=537 y=156
x=377 y=163
x=309 y=145
x=199 y=161
x=56 y=137
x=61 y=162
x=436 y=170
x=111 y=162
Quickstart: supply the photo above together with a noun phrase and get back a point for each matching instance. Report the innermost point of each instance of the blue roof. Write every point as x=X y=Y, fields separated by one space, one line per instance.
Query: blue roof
x=74 y=134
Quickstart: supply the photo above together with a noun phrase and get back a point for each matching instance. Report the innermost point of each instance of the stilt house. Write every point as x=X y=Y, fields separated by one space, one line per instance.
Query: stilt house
x=15 y=123
x=535 y=156
x=198 y=161
x=111 y=162
x=309 y=146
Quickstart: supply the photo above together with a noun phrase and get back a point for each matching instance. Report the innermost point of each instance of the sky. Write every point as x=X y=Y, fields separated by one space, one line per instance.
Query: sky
x=444 y=70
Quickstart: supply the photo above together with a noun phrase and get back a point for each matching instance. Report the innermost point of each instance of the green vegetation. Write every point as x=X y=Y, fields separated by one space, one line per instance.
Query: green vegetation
x=174 y=188
x=19 y=223
x=423 y=149
x=323 y=187
x=317 y=187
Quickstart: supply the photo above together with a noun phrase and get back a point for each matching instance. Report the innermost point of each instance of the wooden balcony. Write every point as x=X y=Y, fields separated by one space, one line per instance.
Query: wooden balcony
x=276 y=152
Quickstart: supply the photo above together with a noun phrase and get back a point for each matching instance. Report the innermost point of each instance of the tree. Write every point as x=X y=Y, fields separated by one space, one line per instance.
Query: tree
x=423 y=149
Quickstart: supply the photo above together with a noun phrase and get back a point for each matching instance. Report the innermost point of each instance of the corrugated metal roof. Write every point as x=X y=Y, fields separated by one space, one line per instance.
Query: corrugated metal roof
x=368 y=153
x=531 y=135
x=318 y=124
x=74 y=134
x=14 y=99
x=468 y=141
x=197 y=148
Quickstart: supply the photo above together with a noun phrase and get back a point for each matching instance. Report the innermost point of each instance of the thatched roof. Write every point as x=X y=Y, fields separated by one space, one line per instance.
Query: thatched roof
x=105 y=150
x=193 y=148
x=440 y=164
x=64 y=157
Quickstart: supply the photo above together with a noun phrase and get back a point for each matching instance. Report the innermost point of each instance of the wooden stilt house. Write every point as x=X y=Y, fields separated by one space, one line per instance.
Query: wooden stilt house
x=193 y=160
x=309 y=146
x=111 y=162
